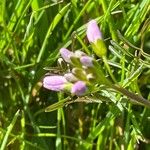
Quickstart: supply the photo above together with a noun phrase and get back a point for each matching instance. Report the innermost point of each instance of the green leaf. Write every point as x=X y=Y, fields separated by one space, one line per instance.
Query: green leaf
x=51 y=28
x=57 y=105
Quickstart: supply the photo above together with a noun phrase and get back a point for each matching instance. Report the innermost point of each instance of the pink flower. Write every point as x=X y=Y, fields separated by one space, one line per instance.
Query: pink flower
x=54 y=83
x=66 y=54
x=93 y=31
x=79 y=88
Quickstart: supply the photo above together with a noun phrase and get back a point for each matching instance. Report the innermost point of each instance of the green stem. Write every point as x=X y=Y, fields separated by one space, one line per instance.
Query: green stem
x=111 y=134
x=83 y=45
x=99 y=72
x=133 y=97
x=77 y=19
x=56 y=20
x=9 y=129
x=109 y=18
x=25 y=99
x=108 y=68
x=59 y=119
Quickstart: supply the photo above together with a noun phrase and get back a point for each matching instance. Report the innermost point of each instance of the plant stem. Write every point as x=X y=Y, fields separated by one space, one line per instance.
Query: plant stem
x=133 y=97
x=109 y=18
x=108 y=68
x=9 y=129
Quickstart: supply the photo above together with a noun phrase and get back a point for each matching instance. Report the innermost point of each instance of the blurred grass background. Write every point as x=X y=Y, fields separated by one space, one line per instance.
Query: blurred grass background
x=31 y=33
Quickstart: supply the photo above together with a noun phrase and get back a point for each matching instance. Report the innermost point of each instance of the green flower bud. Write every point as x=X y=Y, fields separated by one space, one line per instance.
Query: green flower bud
x=75 y=61
x=79 y=73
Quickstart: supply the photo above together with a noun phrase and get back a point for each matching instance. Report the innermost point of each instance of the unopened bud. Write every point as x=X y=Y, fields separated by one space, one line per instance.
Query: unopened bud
x=79 y=88
x=62 y=64
x=70 y=77
x=94 y=36
x=93 y=32
x=79 y=73
x=75 y=61
x=66 y=54
x=79 y=53
x=86 y=61
x=91 y=78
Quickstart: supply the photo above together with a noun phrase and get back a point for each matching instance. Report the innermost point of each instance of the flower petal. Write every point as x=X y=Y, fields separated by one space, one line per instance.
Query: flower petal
x=54 y=88
x=55 y=83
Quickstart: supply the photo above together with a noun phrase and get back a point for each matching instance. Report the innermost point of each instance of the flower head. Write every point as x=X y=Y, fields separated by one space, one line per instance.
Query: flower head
x=79 y=88
x=93 y=31
x=54 y=83
x=66 y=54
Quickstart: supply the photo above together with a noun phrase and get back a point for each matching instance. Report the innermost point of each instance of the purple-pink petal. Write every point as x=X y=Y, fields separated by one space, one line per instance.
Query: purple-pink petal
x=93 y=31
x=86 y=61
x=66 y=54
x=55 y=83
x=54 y=88
x=79 y=88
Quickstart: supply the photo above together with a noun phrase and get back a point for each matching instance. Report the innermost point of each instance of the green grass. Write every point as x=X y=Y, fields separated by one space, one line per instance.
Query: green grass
x=31 y=34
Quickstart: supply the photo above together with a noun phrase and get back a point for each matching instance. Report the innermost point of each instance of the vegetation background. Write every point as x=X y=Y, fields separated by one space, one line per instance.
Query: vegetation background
x=31 y=33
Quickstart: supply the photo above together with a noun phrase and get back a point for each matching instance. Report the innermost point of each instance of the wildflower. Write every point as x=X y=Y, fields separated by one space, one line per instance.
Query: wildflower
x=94 y=36
x=55 y=83
x=66 y=54
x=79 y=88
x=86 y=61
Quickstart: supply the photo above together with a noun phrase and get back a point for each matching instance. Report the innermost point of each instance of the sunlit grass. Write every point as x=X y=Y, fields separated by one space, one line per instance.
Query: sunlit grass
x=31 y=34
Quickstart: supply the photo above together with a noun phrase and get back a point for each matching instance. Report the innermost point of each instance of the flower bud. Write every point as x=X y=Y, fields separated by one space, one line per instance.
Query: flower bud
x=91 y=78
x=79 y=88
x=62 y=64
x=76 y=58
x=75 y=61
x=86 y=61
x=54 y=83
x=79 y=53
x=93 y=32
x=79 y=73
x=70 y=77
x=66 y=54
x=94 y=36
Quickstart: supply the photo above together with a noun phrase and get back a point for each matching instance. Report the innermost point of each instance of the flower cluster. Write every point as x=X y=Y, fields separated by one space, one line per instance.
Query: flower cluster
x=76 y=80
x=84 y=70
